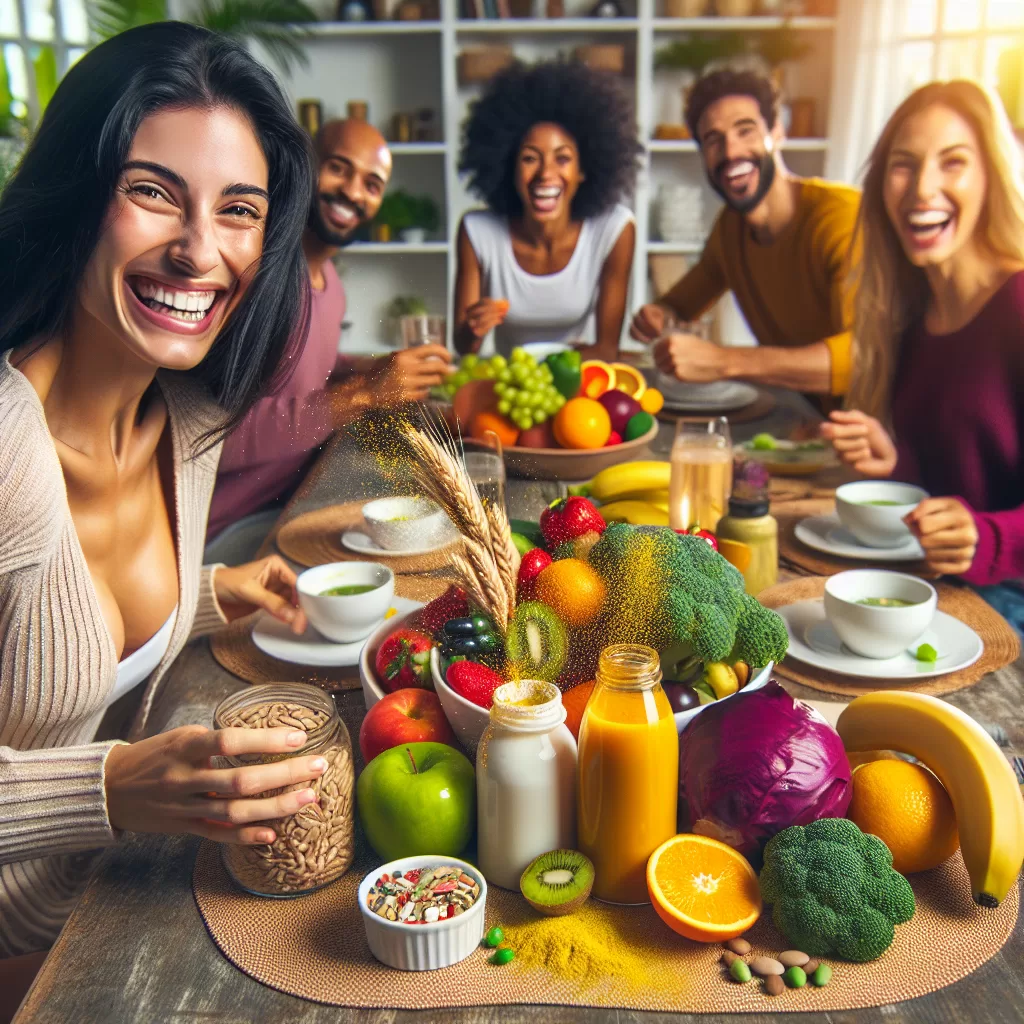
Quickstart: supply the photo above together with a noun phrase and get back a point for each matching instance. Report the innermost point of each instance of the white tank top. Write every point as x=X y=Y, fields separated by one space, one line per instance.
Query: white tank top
x=551 y=307
x=140 y=663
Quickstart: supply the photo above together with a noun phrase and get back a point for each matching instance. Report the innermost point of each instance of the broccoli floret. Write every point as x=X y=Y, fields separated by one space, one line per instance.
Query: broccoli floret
x=713 y=634
x=761 y=634
x=834 y=891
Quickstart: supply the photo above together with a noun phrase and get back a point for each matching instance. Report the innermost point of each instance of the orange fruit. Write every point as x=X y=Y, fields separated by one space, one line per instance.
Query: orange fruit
x=582 y=423
x=703 y=889
x=575 y=703
x=483 y=422
x=573 y=590
x=652 y=401
x=908 y=809
x=596 y=378
x=866 y=756
x=629 y=379
x=735 y=552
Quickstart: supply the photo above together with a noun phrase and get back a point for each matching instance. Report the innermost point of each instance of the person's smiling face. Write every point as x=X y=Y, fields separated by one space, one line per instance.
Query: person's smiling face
x=183 y=235
x=548 y=172
x=739 y=150
x=935 y=185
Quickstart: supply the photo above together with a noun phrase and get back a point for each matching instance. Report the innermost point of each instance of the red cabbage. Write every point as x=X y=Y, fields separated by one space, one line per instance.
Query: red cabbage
x=756 y=763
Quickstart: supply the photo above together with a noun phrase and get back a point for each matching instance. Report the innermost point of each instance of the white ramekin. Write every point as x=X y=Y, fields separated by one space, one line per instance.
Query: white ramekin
x=423 y=947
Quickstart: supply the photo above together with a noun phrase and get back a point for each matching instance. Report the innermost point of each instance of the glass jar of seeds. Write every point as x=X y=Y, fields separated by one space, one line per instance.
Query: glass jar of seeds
x=314 y=846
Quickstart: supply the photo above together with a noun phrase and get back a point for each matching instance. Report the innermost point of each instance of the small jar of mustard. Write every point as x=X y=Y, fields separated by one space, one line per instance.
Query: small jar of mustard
x=749 y=523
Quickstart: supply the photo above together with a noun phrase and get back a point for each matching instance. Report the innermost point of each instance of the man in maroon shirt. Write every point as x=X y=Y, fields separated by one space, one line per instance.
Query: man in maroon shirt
x=265 y=457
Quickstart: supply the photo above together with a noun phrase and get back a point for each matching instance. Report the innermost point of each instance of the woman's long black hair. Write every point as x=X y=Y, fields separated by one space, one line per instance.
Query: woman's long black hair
x=53 y=207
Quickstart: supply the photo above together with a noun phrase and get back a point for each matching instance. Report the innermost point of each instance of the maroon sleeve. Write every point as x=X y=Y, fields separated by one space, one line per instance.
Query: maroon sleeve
x=1000 y=553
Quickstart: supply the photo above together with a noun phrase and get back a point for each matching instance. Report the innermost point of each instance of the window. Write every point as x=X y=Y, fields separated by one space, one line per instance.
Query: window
x=39 y=41
x=978 y=39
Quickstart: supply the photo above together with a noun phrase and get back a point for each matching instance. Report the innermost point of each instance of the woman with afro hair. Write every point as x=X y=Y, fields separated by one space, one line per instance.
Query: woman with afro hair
x=552 y=150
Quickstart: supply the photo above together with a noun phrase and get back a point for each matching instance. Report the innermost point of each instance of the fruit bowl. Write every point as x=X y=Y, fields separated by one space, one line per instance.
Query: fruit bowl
x=372 y=690
x=683 y=718
x=469 y=720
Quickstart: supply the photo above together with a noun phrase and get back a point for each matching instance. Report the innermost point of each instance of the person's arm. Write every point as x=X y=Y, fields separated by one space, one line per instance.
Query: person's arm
x=702 y=285
x=611 y=297
x=475 y=314
x=802 y=368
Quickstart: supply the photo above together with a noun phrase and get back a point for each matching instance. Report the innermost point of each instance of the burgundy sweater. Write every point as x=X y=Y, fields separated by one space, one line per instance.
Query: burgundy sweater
x=958 y=418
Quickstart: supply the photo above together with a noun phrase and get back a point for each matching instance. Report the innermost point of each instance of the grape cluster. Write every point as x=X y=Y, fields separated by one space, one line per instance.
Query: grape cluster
x=526 y=394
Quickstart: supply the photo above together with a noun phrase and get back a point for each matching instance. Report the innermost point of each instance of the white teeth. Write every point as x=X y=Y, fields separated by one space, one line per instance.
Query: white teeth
x=928 y=218
x=738 y=170
x=344 y=211
x=188 y=306
x=546 y=192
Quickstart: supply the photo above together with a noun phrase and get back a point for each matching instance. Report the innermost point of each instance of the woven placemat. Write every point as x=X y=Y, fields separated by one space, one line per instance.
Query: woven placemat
x=233 y=649
x=757 y=409
x=789 y=513
x=314 y=538
x=315 y=947
x=1002 y=645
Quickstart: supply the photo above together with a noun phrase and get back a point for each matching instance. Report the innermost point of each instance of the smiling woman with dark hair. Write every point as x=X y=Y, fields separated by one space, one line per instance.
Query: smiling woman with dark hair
x=552 y=151
x=150 y=283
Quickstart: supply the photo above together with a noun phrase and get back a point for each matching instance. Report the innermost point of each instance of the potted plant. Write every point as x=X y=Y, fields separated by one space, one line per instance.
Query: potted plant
x=426 y=218
x=683 y=60
x=394 y=216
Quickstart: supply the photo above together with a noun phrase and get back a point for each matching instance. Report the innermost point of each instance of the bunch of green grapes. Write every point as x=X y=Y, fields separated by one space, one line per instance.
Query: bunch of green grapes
x=525 y=391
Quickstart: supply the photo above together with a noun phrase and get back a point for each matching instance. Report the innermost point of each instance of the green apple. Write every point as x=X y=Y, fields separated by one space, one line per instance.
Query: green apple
x=417 y=798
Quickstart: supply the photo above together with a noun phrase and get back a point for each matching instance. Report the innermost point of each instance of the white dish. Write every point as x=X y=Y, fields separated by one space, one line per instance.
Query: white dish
x=397 y=524
x=273 y=637
x=424 y=947
x=468 y=720
x=813 y=641
x=723 y=394
x=372 y=690
x=874 y=510
x=876 y=631
x=826 y=534
x=361 y=543
x=683 y=718
x=346 y=618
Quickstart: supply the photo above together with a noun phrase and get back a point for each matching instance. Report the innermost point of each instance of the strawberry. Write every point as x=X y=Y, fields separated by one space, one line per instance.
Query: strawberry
x=533 y=563
x=613 y=438
x=403 y=659
x=568 y=519
x=473 y=681
x=452 y=604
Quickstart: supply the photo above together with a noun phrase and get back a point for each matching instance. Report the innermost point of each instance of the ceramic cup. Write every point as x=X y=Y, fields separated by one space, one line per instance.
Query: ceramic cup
x=873 y=524
x=347 y=618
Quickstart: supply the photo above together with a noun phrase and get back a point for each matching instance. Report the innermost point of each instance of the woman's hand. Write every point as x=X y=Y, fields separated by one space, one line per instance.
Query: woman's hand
x=484 y=315
x=861 y=442
x=267 y=584
x=409 y=375
x=689 y=358
x=946 y=530
x=165 y=783
x=650 y=323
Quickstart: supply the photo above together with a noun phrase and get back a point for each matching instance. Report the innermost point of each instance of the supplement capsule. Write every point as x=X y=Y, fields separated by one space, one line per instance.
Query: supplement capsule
x=502 y=956
x=494 y=937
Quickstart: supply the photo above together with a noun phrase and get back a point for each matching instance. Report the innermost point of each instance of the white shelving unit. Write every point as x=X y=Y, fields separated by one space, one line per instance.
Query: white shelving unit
x=402 y=66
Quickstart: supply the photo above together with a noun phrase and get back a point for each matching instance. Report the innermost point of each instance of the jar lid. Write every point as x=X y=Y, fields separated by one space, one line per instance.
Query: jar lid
x=748 y=508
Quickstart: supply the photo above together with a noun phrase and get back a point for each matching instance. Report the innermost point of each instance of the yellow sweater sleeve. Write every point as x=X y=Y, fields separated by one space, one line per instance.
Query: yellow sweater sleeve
x=704 y=284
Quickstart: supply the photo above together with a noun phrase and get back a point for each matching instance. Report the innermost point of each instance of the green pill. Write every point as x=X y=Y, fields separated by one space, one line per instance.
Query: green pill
x=502 y=956
x=822 y=976
x=739 y=970
x=927 y=653
x=494 y=937
x=795 y=977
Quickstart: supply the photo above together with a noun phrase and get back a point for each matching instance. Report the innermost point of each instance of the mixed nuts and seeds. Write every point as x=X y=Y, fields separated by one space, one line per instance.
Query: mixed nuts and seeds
x=790 y=969
x=422 y=895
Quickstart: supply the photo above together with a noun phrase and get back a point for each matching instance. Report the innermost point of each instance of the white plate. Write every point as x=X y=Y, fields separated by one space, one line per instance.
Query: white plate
x=723 y=394
x=813 y=641
x=824 y=533
x=363 y=544
x=273 y=637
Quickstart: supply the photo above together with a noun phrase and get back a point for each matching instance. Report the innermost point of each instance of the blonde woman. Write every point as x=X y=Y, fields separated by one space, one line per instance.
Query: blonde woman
x=939 y=324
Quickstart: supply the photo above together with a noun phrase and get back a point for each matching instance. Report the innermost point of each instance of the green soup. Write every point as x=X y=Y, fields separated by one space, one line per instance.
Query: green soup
x=882 y=501
x=887 y=602
x=349 y=590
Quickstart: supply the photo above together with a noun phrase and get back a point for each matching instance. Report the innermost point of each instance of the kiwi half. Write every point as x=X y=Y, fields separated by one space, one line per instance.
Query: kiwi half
x=536 y=642
x=558 y=882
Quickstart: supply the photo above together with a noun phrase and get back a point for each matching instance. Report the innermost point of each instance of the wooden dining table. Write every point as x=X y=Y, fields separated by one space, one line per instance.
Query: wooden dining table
x=135 y=948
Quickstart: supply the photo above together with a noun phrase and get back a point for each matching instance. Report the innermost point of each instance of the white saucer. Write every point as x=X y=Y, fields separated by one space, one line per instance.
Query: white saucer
x=723 y=394
x=824 y=533
x=273 y=637
x=363 y=544
x=813 y=641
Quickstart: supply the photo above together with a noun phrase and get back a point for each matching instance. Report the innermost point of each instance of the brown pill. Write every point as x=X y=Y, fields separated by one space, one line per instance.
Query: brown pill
x=811 y=966
x=728 y=956
x=739 y=946
x=793 y=958
x=774 y=985
x=766 y=966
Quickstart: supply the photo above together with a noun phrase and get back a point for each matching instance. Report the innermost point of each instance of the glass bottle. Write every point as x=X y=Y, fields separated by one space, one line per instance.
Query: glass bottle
x=628 y=772
x=749 y=523
x=525 y=781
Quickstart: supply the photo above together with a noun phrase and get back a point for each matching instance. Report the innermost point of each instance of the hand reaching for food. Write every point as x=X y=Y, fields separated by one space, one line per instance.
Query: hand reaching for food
x=861 y=442
x=409 y=375
x=650 y=323
x=484 y=315
x=268 y=584
x=689 y=358
x=946 y=530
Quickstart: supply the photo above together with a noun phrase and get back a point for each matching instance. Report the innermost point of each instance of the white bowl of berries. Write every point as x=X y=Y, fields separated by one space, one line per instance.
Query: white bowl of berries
x=468 y=718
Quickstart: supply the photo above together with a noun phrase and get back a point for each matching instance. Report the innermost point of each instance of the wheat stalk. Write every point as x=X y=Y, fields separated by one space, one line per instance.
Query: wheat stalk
x=506 y=556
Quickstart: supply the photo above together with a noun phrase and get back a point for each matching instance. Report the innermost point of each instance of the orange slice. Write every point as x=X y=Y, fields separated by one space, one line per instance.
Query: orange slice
x=735 y=552
x=596 y=378
x=703 y=889
x=629 y=379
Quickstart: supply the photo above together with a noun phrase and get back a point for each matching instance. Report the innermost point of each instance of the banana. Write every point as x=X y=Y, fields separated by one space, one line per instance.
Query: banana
x=638 y=513
x=659 y=499
x=627 y=478
x=980 y=782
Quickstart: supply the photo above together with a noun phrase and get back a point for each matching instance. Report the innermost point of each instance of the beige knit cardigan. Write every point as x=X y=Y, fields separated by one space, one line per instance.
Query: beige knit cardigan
x=58 y=662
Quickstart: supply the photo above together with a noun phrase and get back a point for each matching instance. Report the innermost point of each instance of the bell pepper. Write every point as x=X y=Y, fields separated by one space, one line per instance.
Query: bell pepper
x=565 y=372
x=705 y=535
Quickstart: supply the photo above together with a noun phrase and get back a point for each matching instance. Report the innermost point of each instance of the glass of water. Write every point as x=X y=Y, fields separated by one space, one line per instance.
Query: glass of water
x=422 y=330
x=487 y=471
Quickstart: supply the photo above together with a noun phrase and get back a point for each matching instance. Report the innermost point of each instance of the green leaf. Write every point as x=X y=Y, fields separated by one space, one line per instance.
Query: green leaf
x=274 y=24
x=109 y=18
x=44 y=65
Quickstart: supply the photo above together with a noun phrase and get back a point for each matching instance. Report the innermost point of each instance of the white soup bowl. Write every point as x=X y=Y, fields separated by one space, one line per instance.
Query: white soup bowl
x=351 y=617
x=877 y=526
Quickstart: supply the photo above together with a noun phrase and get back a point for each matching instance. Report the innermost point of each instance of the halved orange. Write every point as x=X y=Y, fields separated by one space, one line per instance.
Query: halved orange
x=703 y=889
x=596 y=377
x=735 y=552
x=629 y=379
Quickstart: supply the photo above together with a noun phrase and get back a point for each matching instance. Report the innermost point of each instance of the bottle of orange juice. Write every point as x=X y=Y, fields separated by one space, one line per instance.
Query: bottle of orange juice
x=628 y=772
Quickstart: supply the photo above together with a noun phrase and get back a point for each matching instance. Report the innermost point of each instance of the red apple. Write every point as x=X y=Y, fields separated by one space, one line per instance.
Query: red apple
x=411 y=715
x=541 y=436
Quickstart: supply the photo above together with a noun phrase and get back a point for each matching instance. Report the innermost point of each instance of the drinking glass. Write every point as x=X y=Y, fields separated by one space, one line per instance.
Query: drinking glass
x=487 y=471
x=422 y=330
x=701 y=477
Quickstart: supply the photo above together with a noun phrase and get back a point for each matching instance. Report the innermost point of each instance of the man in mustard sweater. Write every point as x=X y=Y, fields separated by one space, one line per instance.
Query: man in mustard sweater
x=781 y=245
